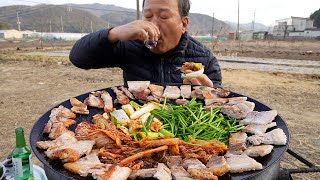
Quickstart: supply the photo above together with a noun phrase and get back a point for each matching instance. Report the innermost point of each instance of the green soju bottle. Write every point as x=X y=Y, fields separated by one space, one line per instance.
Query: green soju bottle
x=22 y=158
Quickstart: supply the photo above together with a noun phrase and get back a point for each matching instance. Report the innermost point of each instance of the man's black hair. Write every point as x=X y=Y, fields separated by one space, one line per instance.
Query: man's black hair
x=183 y=5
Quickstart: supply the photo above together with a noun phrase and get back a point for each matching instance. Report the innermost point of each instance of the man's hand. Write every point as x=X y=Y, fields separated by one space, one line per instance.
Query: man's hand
x=135 y=30
x=202 y=80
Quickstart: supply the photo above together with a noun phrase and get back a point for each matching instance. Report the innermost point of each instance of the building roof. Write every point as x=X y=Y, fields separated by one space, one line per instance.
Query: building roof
x=3 y=31
x=294 y=17
x=312 y=29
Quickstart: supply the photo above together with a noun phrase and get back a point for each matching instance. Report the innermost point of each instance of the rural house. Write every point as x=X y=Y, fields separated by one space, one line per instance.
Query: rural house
x=295 y=27
x=11 y=34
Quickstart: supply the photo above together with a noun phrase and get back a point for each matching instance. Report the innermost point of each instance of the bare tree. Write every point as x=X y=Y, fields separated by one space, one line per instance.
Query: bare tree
x=215 y=43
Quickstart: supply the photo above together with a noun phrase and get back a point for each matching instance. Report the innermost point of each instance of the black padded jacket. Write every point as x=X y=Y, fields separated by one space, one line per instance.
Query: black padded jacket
x=138 y=63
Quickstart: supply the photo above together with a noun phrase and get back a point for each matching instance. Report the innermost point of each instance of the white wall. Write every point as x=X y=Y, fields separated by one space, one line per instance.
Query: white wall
x=296 y=34
x=311 y=34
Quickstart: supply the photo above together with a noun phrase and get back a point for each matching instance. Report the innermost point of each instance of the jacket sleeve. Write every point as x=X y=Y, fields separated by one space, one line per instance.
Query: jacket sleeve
x=95 y=51
x=213 y=70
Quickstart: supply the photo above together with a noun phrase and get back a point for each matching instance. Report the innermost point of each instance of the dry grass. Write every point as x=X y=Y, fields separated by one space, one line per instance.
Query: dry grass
x=302 y=50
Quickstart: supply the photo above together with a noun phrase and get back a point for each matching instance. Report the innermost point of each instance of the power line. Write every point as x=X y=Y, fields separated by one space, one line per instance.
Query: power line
x=80 y=7
x=36 y=8
x=16 y=8
x=103 y=9
x=28 y=12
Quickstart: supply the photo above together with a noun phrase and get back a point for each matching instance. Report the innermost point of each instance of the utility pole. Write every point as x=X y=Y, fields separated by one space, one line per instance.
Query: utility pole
x=91 y=26
x=18 y=22
x=238 y=28
x=50 y=27
x=254 y=19
x=138 y=10
x=212 y=24
x=61 y=23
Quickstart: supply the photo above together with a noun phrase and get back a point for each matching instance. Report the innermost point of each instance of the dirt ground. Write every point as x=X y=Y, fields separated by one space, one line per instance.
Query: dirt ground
x=29 y=88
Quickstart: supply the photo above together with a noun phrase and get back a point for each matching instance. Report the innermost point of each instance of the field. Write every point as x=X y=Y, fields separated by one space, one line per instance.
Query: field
x=30 y=85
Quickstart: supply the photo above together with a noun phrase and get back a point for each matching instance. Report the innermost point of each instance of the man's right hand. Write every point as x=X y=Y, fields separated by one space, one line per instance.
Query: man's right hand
x=135 y=30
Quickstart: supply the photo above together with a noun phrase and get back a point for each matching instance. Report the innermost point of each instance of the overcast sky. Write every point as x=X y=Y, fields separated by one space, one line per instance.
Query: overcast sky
x=266 y=11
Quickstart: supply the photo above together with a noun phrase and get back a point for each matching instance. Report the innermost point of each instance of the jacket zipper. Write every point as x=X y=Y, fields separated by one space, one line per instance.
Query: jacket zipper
x=162 y=70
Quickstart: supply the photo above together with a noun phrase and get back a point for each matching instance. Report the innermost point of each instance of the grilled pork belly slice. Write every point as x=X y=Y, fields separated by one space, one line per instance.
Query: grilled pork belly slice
x=256 y=151
x=197 y=169
x=175 y=165
x=142 y=173
x=239 y=110
x=109 y=135
x=239 y=137
x=139 y=89
x=156 y=90
x=218 y=165
x=100 y=138
x=91 y=164
x=192 y=163
x=185 y=91
x=215 y=92
x=60 y=119
x=202 y=174
x=172 y=92
x=262 y=118
x=136 y=86
x=102 y=122
x=78 y=107
x=70 y=152
x=237 y=143
x=242 y=163
x=121 y=97
x=197 y=93
x=163 y=172
x=236 y=100
x=203 y=92
x=126 y=92
x=230 y=101
x=211 y=101
x=179 y=173
x=94 y=101
x=62 y=112
x=120 y=173
x=182 y=101
x=173 y=161
x=257 y=128
x=83 y=165
x=220 y=92
x=276 y=137
x=110 y=172
x=57 y=130
x=67 y=137
x=236 y=149
x=107 y=100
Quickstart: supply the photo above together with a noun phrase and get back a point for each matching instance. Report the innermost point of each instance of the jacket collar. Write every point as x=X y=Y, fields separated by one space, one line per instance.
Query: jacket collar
x=182 y=46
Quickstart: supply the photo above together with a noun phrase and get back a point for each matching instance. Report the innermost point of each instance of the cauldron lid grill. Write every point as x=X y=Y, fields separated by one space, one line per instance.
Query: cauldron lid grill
x=56 y=166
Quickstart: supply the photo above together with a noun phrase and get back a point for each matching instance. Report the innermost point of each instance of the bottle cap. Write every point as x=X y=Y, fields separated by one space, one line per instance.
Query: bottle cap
x=19 y=130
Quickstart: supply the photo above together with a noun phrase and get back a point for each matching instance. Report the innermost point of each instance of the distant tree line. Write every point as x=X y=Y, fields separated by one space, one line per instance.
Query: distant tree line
x=4 y=26
x=316 y=18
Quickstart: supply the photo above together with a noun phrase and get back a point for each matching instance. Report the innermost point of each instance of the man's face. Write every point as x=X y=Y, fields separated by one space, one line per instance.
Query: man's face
x=165 y=15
